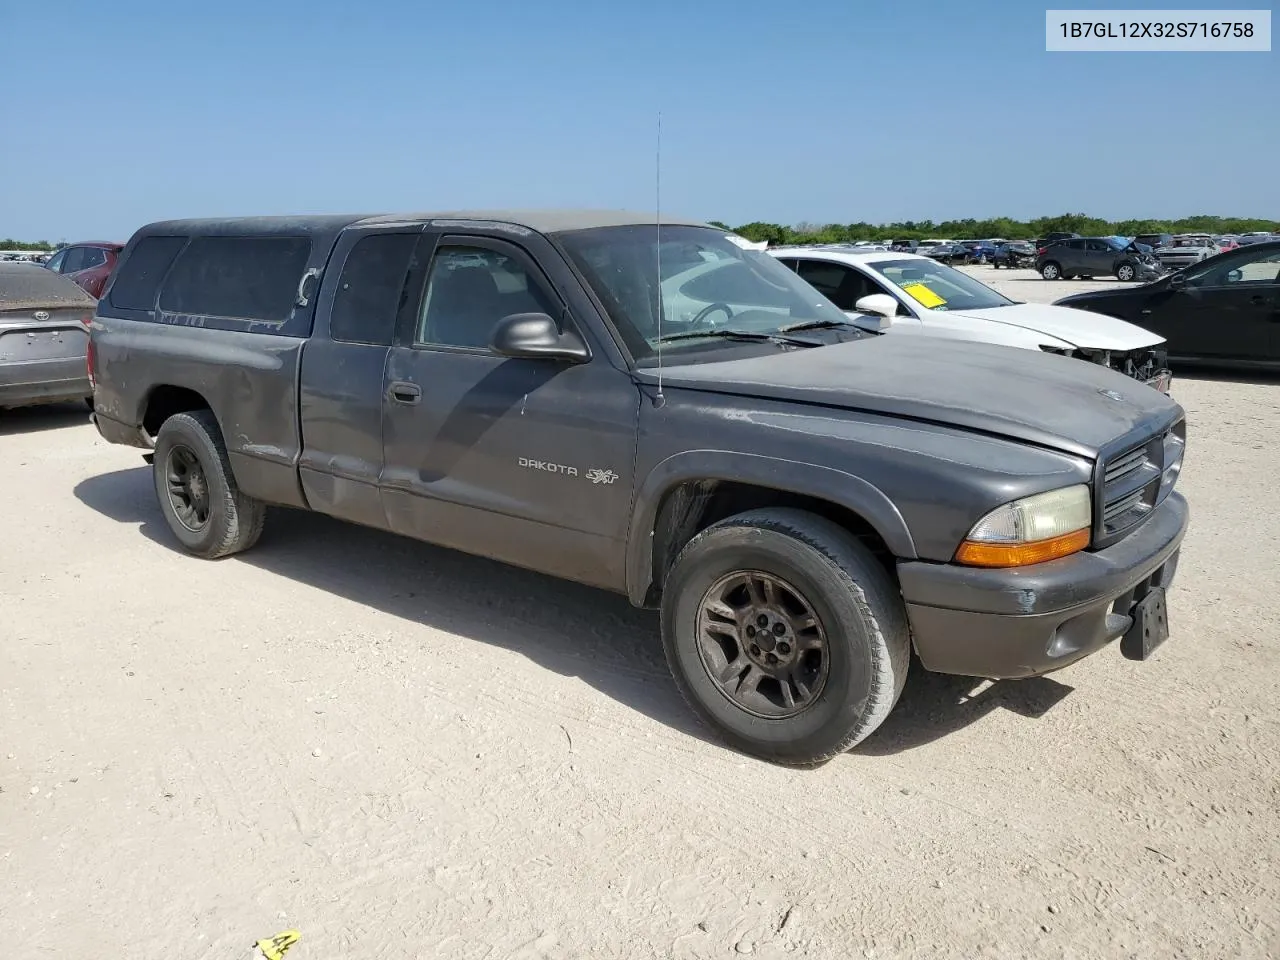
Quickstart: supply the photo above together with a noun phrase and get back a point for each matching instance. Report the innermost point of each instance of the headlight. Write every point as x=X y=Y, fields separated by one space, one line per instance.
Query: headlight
x=1032 y=530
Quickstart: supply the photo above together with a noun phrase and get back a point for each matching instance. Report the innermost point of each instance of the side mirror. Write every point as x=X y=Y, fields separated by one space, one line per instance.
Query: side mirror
x=1177 y=281
x=874 y=312
x=536 y=336
x=879 y=304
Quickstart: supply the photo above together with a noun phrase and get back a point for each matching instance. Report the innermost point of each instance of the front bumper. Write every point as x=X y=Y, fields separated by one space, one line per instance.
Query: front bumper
x=1024 y=621
x=43 y=381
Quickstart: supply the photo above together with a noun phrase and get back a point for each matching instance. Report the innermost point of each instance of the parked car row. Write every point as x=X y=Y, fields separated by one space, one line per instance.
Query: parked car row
x=1141 y=258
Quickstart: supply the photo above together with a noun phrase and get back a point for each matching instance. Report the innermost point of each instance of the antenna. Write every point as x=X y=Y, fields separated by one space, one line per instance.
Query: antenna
x=657 y=229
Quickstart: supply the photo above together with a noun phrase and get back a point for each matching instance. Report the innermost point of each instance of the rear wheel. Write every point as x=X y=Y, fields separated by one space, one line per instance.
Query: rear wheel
x=785 y=634
x=1051 y=271
x=198 y=493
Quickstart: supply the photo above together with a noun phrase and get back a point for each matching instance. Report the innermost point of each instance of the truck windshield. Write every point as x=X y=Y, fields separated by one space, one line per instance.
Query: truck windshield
x=709 y=283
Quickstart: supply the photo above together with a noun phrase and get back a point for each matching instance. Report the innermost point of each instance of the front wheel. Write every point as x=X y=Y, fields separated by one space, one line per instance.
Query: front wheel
x=785 y=634
x=1051 y=271
x=1125 y=272
x=198 y=493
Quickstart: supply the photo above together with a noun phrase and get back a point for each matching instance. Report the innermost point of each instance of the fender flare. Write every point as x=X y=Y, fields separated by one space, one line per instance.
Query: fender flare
x=789 y=476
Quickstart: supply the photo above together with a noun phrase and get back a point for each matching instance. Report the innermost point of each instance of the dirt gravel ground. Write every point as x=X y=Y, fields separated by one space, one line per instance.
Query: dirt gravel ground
x=407 y=752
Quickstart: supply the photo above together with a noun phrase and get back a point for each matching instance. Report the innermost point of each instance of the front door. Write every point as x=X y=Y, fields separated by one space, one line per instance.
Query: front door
x=1099 y=257
x=1228 y=309
x=1073 y=257
x=526 y=461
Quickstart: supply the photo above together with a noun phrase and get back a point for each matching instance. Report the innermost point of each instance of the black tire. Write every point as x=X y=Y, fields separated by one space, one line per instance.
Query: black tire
x=855 y=601
x=233 y=519
x=1126 y=267
x=1051 y=271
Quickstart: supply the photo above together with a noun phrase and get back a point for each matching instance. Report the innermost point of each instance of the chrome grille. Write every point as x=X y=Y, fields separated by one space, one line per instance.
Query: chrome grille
x=1125 y=464
x=1122 y=506
x=1137 y=480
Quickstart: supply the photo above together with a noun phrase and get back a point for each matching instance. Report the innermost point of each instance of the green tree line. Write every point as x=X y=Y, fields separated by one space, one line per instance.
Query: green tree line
x=1003 y=227
x=43 y=246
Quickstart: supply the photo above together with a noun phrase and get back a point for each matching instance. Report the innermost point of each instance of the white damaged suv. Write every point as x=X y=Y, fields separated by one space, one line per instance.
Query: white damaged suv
x=896 y=293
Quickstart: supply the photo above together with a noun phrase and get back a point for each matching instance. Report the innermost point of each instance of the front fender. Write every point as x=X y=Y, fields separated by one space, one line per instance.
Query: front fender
x=790 y=476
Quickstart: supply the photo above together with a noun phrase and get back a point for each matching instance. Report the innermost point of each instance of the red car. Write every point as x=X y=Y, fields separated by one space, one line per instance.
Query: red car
x=88 y=264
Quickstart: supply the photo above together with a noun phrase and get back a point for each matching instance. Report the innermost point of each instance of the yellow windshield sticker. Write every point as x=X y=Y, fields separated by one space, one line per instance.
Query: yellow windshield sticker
x=277 y=946
x=923 y=295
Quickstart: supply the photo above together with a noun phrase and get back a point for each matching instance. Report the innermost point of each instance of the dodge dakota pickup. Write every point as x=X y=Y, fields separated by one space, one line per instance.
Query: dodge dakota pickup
x=657 y=409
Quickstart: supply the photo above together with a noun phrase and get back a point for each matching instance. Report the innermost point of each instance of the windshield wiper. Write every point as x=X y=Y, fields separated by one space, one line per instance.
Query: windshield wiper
x=820 y=325
x=747 y=336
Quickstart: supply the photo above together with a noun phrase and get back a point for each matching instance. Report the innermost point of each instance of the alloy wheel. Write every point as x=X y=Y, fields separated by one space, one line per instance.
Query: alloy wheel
x=188 y=487
x=762 y=644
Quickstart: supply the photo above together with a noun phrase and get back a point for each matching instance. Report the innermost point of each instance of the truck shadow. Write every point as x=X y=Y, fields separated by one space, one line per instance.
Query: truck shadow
x=567 y=628
x=934 y=705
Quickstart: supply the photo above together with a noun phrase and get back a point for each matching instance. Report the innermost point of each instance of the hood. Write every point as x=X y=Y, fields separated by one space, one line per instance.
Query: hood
x=1025 y=395
x=1079 y=328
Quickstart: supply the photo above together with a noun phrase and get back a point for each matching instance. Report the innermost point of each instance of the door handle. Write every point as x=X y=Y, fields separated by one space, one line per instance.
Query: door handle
x=402 y=391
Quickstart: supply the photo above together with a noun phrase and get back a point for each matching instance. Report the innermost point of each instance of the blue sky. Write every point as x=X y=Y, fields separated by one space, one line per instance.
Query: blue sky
x=826 y=111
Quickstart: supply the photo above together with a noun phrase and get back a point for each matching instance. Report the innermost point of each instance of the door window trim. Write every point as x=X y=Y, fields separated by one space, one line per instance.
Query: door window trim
x=406 y=334
x=1233 y=261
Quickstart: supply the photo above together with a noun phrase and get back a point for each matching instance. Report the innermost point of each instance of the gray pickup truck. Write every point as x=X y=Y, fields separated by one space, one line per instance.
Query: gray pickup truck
x=653 y=409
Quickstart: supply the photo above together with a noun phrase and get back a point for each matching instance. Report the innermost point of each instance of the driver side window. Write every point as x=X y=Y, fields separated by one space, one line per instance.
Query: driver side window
x=842 y=285
x=75 y=260
x=826 y=278
x=1259 y=269
x=469 y=290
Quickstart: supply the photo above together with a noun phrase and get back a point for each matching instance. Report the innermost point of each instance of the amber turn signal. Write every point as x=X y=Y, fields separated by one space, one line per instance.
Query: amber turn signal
x=976 y=554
